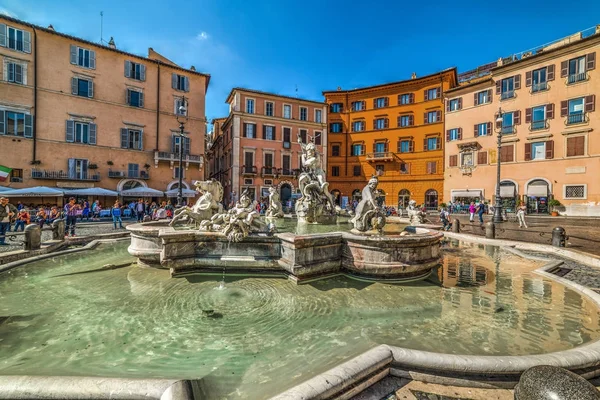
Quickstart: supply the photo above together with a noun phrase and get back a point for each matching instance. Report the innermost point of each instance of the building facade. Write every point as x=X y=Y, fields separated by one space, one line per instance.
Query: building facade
x=543 y=104
x=77 y=114
x=395 y=131
x=258 y=145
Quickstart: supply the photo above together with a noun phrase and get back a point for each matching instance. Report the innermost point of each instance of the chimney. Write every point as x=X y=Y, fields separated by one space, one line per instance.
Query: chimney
x=50 y=27
x=111 y=43
x=413 y=76
x=192 y=68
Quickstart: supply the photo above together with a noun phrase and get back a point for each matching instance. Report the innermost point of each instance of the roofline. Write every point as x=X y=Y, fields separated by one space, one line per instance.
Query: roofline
x=271 y=94
x=37 y=27
x=445 y=71
x=466 y=85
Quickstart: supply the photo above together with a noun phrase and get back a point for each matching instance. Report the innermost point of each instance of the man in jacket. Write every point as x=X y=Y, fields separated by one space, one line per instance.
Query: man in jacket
x=7 y=211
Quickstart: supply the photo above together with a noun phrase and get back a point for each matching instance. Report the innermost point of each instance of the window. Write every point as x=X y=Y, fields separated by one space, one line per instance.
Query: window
x=380 y=102
x=317 y=138
x=379 y=147
x=482 y=158
x=538 y=120
x=484 y=129
x=483 y=97
x=176 y=172
x=286 y=162
x=576 y=146
x=508 y=123
x=380 y=123
x=287 y=111
x=405 y=120
x=248 y=161
x=508 y=88
x=176 y=144
x=268 y=132
x=82 y=87
x=432 y=143
x=356 y=170
x=379 y=168
x=17 y=39
x=358 y=126
x=575 y=191
x=287 y=134
x=336 y=107
x=335 y=150
x=83 y=57
x=16 y=175
x=16 y=124
x=455 y=104
x=269 y=109
x=405 y=146
x=538 y=151
x=135 y=98
x=335 y=171
x=466 y=159
x=453 y=134
x=335 y=127
x=576 y=111
x=302 y=136
x=404 y=168
x=78 y=168
x=303 y=114
x=250 y=131
x=358 y=105
x=82 y=132
x=431 y=167
x=357 y=149
x=135 y=71
x=539 y=80
x=507 y=153
x=432 y=94
x=318 y=116
x=132 y=139
x=453 y=161
x=179 y=102
x=15 y=72
x=133 y=170
x=180 y=82
x=250 y=106
x=432 y=117
x=268 y=161
x=577 y=70
x=406 y=98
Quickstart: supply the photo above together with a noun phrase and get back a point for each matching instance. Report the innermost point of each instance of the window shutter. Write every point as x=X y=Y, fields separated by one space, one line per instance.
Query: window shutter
x=141 y=145
x=374 y=103
x=125 y=140
x=433 y=167
x=3 y=35
x=411 y=98
x=550 y=111
x=386 y=123
x=27 y=42
x=374 y=123
x=437 y=93
x=411 y=120
x=489 y=128
x=70 y=131
x=564 y=108
x=411 y=146
x=549 y=149
x=453 y=161
x=590 y=61
x=264 y=132
x=28 y=125
x=128 y=95
x=425 y=118
x=460 y=103
x=476 y=130
x=517 y=81
x=73 y=54
x=275 y=134
x=127 y=69
x=90 y=89
x=425 y=95
x=482 y=158
x=528 y=78
x=186 y=145
x=363 y=126
x=428 y=167
x=9 y=72
x=527 y=115
x=517 y=117
x=187 y=84
x=399 y=121
x=71 y=165
x=386 y=101
x=571 y=144
x=92 y=59
x=74 y=85
x=475 y=99
x=550 y=72
x=24 y=70
x=564 y=68
x=448 y=106
x=448 y=135
x=438 y=144
x=425 y=144
x=2 y=123
x=141 y=99
x=438 y=115
x=92 y=139
x=173 y=143
x=590 y=103
x=363 y=149
x=174 y=81
x=498 y=87
x=527 y=151
x=142 y=72
x=459 y=133
x=489 y=96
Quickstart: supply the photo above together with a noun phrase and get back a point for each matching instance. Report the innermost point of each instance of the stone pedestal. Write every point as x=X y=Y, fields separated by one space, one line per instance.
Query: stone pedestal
x=58 y=229
x=33 y=237
x=309 y=256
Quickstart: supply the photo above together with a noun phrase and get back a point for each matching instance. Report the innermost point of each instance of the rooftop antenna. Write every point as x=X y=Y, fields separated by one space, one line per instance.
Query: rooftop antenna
x=296 y=90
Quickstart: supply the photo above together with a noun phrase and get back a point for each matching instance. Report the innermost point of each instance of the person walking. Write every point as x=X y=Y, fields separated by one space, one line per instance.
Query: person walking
x=115 y=211
x=521 y=215
x=71 y=209
x=472 y=212
x=7 y=211
x=480 y=211
x=140 y=209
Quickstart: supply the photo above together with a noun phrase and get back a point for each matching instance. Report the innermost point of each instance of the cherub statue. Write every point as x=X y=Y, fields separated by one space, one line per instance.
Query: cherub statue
x=416 y=216
x=368 y=215
x=275 y=209
x=209 y=203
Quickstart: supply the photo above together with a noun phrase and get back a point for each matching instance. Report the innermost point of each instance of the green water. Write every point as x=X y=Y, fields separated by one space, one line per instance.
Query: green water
x=257 y=336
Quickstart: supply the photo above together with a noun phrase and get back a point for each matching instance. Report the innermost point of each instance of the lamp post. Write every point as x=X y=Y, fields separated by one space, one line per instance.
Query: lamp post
x=181 y=118
x=498 y=207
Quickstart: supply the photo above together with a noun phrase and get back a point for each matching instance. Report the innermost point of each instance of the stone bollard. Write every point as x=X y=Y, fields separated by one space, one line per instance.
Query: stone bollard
x=559 y=237
x=58 y=229
x=147 y=218
x=33 y=237
x=549 y=382
x=490 y=230
x=456 y=225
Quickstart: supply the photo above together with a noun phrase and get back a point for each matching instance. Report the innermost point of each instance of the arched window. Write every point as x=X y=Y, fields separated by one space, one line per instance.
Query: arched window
x=431 y=199
x=131 y=185
x=356 y=194
x=403 y=198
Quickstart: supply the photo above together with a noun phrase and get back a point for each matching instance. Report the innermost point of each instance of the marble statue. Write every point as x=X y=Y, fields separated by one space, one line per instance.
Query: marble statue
x=368 y=215
x=238 y=222
x=275 y=209
x=207 y=205
x=316 y=203
x=416 y=216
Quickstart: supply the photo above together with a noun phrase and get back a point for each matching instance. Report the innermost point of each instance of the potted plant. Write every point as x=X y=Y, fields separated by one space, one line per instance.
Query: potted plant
x=147 y=166
x=92 y=166
x=554 y=203
x=110 y=162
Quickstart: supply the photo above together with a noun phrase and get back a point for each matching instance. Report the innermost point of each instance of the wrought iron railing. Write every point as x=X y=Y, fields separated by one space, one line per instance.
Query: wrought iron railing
x=574 y=78
x=508 y=129
x=576 y=119
x=537 y=125
x=539 y=87
x=66 y=176
x=509 y=94
x=249 y=170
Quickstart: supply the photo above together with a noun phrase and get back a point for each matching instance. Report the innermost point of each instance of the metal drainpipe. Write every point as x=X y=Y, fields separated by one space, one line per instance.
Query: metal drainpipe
x=35 y=79
x=157 y=105
x=347 y=139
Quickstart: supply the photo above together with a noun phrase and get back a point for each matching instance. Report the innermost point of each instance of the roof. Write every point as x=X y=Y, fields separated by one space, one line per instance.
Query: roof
x=470 y=83
x=445 y=71
x=54 y=32
x=270 y=94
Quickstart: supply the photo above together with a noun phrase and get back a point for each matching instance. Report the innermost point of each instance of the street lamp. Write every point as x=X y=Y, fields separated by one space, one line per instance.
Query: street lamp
x=181 y=118
x=498 y=207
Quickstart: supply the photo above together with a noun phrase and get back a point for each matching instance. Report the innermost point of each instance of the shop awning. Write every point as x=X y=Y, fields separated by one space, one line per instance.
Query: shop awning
x=185 y=192
x=5 y=189
x=507 y=191
x=36 y=191
x=91 y=192
x=141 y=191
x=537 y=191
x=466 y=193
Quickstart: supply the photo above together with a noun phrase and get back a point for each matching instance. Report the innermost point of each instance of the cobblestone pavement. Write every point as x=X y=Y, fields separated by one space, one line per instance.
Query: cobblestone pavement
x=81 y=229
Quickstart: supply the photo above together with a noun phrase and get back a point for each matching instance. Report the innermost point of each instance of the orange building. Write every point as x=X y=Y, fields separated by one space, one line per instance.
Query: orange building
x=393 y=130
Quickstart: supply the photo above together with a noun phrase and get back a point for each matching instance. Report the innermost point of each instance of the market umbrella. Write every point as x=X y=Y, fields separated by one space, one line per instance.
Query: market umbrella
x=185 y=192
x=37 y=191
x=141 y=191
x=95 y=191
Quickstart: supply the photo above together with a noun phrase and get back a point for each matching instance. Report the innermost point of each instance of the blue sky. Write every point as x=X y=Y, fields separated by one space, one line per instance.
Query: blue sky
x=314 y=45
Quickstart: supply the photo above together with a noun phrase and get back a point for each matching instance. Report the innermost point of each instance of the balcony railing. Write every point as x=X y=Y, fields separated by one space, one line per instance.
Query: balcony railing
x=64 y=176
x=576 y=119
x=537 y=125
x=539 y=87
x=288 y=172
x=129 y=174
x=574 y=78
x=509 y=94
x=167 y=156
x=508 y=129
x=249 y=170
x=269 y=171
x=381 y=156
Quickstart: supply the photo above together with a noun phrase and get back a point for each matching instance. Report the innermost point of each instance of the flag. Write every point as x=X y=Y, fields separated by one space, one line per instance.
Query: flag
x=4 y=172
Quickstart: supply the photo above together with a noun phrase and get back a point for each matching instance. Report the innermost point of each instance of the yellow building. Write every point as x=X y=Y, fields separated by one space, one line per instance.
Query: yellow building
x=76 y=114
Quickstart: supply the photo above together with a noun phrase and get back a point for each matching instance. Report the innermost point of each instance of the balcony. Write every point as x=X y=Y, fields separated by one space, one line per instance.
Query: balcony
x=574 y=78
x=539 y=87
x=508 y=129
x=64 y=176
x=174 y=158
x=288 y=172
x=573 y=119
x=538 y=125
x=509 y=94
x=248 y=170
x=268 y=171
x=128 y=174
x=381 y=156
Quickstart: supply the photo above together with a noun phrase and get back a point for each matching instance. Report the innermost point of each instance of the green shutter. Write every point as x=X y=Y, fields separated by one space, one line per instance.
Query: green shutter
x=28 y=125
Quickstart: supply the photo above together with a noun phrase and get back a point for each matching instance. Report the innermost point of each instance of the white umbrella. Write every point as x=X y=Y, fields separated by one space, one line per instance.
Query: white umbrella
x=141 y=191
x=184 y=192
x=37 y=191
x=95 y=191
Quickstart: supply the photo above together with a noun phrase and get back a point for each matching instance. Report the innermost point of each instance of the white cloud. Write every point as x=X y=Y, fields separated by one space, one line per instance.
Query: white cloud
x=4 y=11
x=202 y=36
